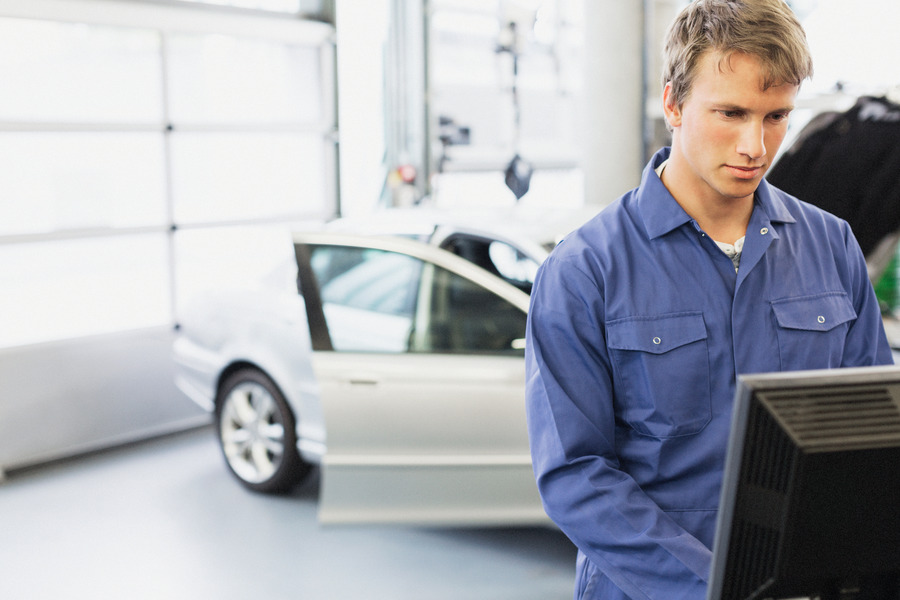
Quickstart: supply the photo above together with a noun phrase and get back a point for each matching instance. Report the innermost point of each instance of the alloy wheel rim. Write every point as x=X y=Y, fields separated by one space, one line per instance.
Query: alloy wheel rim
x=252 y=432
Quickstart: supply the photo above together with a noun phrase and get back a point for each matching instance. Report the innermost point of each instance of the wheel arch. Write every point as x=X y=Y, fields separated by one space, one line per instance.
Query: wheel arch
x=239 y=365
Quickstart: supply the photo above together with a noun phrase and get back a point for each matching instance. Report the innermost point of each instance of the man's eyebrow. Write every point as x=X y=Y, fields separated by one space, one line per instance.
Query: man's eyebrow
x=736 y=108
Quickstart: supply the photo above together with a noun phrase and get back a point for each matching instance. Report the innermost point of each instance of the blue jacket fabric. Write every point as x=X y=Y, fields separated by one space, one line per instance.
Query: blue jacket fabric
x=638 y=329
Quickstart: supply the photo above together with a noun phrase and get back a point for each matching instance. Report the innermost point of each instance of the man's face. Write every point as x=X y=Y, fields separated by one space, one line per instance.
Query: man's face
x=728 y=130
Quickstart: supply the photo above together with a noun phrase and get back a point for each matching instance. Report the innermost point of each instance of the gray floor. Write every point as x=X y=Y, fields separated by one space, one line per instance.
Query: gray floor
x=164 y=520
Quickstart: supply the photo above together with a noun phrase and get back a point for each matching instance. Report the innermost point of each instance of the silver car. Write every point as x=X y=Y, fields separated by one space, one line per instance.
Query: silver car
x=398 y=368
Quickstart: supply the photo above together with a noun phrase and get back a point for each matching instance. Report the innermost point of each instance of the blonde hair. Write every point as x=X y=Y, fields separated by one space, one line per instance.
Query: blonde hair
x=765 y=29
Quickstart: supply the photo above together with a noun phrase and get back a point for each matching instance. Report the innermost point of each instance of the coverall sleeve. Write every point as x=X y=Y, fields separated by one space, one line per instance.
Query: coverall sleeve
x=866 y=342
x=571 y=421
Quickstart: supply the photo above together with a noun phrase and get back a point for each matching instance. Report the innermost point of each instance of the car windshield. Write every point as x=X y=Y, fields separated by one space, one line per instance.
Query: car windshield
x=497 y=257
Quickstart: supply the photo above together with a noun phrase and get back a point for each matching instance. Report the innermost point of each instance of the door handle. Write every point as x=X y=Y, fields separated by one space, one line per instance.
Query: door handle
x=362 y=380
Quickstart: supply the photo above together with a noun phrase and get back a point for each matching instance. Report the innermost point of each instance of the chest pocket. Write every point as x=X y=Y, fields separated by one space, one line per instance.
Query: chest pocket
x=812 y=330
x=661 y=373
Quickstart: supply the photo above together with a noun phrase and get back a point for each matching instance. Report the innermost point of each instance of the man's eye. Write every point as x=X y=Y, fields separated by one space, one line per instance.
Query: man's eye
x=730 y=114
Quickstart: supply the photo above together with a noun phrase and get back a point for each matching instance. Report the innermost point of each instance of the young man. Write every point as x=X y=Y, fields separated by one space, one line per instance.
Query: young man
x=642 y=320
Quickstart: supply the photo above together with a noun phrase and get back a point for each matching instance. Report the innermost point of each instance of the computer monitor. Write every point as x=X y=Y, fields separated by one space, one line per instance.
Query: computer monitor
x=810 y=503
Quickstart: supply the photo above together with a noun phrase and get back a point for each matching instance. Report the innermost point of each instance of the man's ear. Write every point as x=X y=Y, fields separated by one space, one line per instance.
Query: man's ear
x=671 y=108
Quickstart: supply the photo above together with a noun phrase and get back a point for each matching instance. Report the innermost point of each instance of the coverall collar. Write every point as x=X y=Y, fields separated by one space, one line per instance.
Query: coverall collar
x=661 y=213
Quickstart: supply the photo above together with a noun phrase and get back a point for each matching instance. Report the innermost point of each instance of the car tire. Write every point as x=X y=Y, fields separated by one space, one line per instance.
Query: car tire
x=257 y=434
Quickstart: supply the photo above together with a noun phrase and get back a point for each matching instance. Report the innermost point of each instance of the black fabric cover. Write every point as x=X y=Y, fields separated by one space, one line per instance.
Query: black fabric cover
x=849 y=164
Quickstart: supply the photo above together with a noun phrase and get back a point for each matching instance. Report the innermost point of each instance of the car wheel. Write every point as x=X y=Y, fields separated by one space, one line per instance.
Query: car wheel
x=256 y=433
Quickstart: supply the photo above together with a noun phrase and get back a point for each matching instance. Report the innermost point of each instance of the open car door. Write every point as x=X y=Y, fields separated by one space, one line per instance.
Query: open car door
x=419 y=356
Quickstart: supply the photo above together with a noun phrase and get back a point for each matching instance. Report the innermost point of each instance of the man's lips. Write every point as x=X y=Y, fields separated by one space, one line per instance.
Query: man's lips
x=745 y=172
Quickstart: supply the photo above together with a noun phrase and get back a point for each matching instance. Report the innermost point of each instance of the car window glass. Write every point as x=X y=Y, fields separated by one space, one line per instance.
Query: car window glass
x=513 y=265
x=499 y=258
x=463 y=317
x=368 y=297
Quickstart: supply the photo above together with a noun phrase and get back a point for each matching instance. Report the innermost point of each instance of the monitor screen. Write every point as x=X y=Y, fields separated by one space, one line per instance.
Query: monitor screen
x=810 y=503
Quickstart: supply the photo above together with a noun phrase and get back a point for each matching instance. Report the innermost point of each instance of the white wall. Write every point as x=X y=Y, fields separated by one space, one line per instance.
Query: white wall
x=614 y=110
x=361 y=30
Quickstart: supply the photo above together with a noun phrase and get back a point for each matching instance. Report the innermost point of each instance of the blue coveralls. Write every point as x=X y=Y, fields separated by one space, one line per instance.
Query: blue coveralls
x=637 y=331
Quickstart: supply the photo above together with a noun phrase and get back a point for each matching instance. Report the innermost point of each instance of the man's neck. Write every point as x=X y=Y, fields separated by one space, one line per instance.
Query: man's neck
x=724 y=219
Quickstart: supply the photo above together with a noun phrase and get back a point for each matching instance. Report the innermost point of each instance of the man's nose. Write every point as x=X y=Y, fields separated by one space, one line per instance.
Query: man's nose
x=752 y=141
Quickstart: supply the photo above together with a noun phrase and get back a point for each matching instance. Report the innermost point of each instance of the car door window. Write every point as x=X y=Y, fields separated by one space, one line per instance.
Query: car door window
x=368 y=297
x=380 y=301
x=459 y=316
